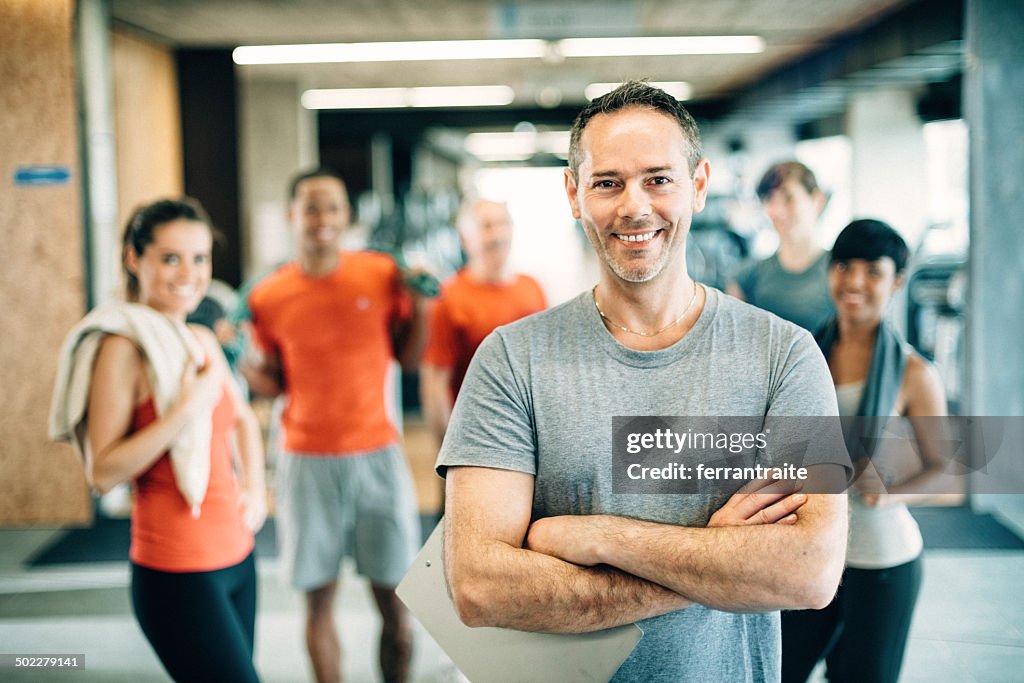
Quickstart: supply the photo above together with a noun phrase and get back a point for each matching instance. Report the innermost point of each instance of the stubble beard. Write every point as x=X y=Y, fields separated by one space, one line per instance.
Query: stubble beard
x=644 y=272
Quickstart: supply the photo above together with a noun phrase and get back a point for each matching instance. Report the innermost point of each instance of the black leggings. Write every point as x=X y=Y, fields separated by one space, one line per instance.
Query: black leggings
x=861 y=634
x=201 y=624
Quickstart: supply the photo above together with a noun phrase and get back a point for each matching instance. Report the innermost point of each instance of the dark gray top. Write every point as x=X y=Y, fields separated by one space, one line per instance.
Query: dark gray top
x=800 y=298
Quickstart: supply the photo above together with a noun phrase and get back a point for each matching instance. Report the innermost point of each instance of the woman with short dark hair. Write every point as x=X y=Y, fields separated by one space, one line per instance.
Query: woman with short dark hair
x=862 y=634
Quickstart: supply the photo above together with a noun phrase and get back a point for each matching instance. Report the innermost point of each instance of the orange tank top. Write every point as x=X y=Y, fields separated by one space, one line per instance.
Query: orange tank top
x=165 y=535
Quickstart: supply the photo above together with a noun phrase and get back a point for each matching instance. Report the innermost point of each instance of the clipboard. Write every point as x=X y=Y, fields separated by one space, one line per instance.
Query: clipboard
x=498 y=655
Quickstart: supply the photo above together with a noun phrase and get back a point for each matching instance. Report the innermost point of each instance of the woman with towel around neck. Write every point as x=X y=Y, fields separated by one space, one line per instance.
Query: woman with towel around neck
x=193 y=573
x=863 y=632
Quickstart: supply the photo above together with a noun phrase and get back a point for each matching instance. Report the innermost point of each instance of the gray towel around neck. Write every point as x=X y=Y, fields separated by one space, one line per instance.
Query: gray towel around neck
x=881 y=387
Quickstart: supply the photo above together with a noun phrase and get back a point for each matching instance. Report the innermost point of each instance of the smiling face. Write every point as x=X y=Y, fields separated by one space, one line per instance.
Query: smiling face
x=862 y=289
x=174 y=269
x=793 y=210
x=486 y=232
x=319 y=213
x=634 y=192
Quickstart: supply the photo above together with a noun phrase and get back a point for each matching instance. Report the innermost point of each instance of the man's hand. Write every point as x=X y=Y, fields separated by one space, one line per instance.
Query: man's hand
x=421 y=281
x=761 y=501
x=578 y=539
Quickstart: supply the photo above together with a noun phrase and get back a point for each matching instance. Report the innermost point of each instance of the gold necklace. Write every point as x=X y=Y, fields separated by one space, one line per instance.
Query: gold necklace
x=644 y=334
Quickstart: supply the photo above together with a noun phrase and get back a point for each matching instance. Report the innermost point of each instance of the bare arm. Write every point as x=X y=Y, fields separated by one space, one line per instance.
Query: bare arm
x=494 y=581
x=248 y=441
x=411 y=337
x=736 y=568
x=118 y=383
x=252 y=468
x=925 y=403
x=436 y=397
x=261 y=369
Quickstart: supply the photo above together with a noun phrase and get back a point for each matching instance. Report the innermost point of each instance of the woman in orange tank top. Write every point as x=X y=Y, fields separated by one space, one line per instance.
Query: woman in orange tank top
x=193 y=574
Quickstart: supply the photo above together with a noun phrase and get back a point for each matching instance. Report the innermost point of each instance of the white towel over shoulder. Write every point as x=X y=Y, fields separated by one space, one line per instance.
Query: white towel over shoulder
x=166 y=346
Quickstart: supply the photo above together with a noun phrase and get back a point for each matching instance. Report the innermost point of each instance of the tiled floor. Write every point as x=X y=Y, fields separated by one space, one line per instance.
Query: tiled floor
x=86 y=609
x=969 y=625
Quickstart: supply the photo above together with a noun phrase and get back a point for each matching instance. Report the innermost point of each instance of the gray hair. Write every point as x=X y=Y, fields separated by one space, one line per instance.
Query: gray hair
x=636 y=94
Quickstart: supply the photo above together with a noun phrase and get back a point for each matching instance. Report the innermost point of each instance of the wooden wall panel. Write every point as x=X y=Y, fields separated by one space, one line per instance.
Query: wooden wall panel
x=42 y=281
x=147 y=122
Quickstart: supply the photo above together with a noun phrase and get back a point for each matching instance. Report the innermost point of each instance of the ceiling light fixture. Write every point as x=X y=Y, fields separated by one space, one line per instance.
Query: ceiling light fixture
x=390 y=98
x=411 y=51
x=525 y=48
x=515 y=146
x=663 y=45
x=680 y=90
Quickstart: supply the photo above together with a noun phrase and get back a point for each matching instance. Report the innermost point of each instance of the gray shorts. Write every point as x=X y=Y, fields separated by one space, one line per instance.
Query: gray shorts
x=361 y=506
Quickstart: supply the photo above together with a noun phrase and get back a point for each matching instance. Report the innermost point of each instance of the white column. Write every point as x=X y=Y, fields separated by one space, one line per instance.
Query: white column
x=278 y=138
x=99 y=153
x=889 y=175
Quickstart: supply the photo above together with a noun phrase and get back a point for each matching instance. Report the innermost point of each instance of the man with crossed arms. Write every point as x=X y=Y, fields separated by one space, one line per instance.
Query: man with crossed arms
x=534 y=538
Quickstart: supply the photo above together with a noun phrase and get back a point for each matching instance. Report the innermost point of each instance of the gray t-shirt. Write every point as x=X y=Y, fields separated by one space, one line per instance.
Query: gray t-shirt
x=540 y=396
x=800 y=298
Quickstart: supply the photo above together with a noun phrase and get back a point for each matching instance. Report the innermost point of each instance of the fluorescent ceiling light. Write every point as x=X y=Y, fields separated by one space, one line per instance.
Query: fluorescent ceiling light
x=513 y=146
x=389 y=98
x=678 y=89
x=525 y=48
x=663 y=45
x=412 y=51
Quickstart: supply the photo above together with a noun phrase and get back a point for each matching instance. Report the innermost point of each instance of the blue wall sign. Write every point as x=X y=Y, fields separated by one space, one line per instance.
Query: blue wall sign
x=42 y=175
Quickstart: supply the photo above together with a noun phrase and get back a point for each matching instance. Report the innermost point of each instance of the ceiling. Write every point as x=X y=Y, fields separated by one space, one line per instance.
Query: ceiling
x=792 y=30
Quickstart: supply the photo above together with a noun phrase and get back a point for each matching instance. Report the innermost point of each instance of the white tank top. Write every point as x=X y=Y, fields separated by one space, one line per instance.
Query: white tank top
x=879 y=537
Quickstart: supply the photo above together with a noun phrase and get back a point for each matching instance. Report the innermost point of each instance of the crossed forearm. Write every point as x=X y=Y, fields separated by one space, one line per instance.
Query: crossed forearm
x=504 y=586
x=736 y=568
x=495 y=581
x=579 y=573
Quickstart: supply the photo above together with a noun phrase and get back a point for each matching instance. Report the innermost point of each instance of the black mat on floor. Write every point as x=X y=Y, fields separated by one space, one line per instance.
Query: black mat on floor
x=960 y=528
x=108 y=539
